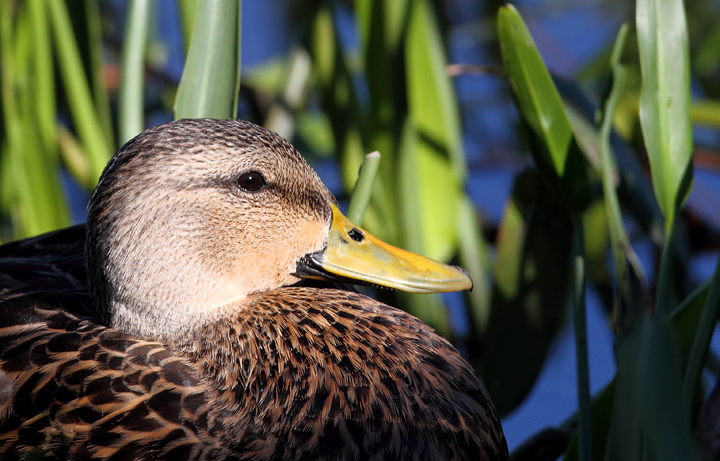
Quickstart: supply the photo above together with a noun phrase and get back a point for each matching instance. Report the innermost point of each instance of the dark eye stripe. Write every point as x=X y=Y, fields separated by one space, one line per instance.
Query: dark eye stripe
x=252 y=181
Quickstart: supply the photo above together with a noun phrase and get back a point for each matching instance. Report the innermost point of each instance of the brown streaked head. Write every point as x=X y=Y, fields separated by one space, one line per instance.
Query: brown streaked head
x=196 y=214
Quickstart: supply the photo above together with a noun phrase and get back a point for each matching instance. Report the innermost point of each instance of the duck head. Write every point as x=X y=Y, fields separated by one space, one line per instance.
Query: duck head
x=191 y=217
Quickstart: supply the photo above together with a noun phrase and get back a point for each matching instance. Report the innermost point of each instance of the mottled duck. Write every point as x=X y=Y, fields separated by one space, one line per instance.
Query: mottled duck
x=166 y=327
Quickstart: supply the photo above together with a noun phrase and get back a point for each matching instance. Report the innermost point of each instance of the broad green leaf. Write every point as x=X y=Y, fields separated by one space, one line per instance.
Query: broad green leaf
x=430 y=213
x=131 y=113
x=438 y=205
x=535 y=94
x=555 y=151
x=82 y=107
x=432 y=103
x=211 y=78
x=523 y=325
x=665 y=100
x=434 y=115
x=188 y=11
x=415 y=210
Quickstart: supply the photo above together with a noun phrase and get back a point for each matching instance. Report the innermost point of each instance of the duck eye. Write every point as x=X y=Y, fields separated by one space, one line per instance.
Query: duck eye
x=251 y=181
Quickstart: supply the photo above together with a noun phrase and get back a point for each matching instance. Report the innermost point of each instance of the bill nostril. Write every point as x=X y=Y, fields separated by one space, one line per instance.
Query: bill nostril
x=356 y=234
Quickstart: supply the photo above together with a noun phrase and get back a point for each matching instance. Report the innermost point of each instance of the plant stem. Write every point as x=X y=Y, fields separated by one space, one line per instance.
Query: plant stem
x=581 y=348
x=363 y=188
x=664 y=283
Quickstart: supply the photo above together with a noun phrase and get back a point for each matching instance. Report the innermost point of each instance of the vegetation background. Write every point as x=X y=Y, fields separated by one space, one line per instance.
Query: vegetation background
x=548 y=189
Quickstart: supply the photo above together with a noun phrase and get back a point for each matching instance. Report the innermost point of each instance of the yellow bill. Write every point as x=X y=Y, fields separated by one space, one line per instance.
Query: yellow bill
x=353 y=254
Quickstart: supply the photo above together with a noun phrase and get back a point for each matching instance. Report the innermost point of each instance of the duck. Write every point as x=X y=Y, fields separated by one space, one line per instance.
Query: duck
x=171 y=325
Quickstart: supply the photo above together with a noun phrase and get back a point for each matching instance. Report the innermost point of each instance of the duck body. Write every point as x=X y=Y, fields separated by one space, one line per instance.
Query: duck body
x=285 y=373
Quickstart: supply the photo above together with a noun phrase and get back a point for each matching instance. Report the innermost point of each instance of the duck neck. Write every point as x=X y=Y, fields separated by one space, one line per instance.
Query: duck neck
x=169 y=326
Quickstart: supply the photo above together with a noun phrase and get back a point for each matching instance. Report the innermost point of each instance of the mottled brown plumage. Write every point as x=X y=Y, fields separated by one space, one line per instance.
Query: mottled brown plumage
x=173 y=358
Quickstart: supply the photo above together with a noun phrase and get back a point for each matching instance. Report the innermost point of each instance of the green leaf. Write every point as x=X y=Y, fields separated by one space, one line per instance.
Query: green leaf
x=73 y=156
x=665 y=100
x=648 y=403
x=338 y=96
x=97 y=69
x=79 y=97
x=416 y=211
x=44 y=78
x=211 y=78
x=554 y=149
x=535 y=94
x=432 y=103
x=474 y=258
x=625 y=434
x=686 y=317
x=684 y=321
x=525 y=319
x=438 y=156
x=508 y=262
x=382 y=26
x=429 y=213
x=701 y=344
x=667 y=426
x=131 y=113
x=30 y=168
x=188 y=11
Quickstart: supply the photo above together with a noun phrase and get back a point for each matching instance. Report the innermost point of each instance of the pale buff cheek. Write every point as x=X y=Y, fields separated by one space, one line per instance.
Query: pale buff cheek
x=311 y=236
x=269 y=264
